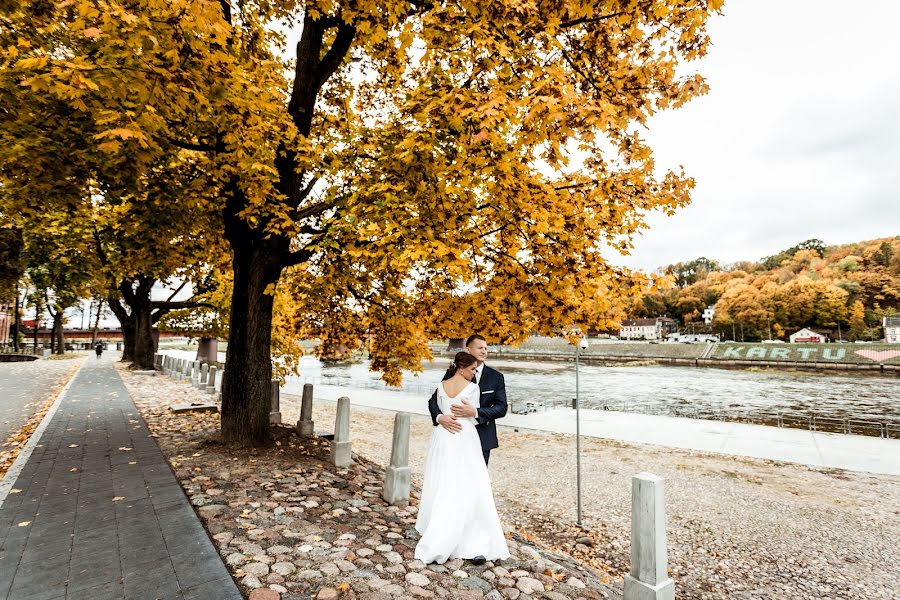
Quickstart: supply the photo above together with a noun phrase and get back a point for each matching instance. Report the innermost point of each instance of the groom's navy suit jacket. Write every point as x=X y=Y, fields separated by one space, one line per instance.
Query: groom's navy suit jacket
x=493 y=406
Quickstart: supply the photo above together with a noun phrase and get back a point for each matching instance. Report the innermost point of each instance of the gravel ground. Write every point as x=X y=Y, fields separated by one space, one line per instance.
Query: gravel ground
x=737 y=528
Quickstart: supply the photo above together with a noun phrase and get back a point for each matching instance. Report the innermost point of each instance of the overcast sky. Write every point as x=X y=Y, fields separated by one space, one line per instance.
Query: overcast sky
x=798 y=138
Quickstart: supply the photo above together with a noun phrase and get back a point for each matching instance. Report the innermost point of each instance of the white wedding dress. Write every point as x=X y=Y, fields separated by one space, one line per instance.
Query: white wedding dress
x=457 y=516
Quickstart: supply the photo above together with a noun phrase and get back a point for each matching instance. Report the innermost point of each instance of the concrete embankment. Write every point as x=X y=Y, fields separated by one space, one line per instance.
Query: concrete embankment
x=876 y=359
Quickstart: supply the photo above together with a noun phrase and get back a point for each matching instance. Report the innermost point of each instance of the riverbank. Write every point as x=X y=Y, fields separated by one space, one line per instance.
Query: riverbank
x=811 y=448
x=875 y=359
x=737 y=527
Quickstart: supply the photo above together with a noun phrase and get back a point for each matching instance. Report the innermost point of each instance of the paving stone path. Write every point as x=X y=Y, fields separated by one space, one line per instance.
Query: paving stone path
x=97 y=513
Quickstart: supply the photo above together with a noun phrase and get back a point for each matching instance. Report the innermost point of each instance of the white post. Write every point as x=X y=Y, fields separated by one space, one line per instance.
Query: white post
x=195 y=373
x=397 y=477
x=275 y=403
x=211 y=382
x=648 y=578
x=305 y=425
x=341 y=455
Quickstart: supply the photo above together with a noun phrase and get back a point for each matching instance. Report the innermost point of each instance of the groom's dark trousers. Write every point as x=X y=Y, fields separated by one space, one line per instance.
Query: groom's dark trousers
x=493 y=406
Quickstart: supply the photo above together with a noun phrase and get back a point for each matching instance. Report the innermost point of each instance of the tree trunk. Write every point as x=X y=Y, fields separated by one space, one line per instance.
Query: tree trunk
x=60 y=341
x=96 y=322
x=248 y=372
x=16 y=322
x=136 y=320
x=143 y=347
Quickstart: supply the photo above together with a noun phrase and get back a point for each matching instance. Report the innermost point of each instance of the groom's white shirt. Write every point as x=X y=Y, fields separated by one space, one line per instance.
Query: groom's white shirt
x=478 y=371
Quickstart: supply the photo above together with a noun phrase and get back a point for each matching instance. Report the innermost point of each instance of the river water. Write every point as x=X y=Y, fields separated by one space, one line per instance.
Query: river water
x=756 y=396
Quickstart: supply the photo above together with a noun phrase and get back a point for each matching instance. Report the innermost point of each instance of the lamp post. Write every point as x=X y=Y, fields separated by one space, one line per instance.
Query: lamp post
x=582 y=345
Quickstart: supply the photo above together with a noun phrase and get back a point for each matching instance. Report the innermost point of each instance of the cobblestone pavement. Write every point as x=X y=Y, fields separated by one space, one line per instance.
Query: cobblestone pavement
x=24 y=386
x=292 y=526
x=96 y=512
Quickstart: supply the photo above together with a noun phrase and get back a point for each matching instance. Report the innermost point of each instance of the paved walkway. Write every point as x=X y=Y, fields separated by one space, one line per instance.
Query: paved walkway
x=831 y=450
x=97 y=513
x=24 y=386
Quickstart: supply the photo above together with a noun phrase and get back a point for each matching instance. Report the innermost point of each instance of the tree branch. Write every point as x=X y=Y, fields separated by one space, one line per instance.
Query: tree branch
x=584 y=20
x=335 y=55
x=180 y=287
x=314 y=210
x=297 y=257
x=198 y=147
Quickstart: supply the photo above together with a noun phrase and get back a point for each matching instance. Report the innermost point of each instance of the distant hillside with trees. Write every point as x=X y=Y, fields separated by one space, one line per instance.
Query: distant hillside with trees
x=847 y=289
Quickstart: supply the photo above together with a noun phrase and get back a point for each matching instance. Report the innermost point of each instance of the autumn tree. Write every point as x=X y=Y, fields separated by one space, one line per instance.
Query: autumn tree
x=418 y=164
x=11 y=272
x=105 y=188
x=59 y=275
x=11 y=268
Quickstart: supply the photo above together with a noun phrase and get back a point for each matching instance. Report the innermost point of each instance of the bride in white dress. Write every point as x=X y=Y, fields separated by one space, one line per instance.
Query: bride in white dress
x=457 y=516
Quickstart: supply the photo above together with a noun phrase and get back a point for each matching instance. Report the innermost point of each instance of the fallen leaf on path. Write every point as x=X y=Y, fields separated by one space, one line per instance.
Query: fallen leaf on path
x=117 y=498
x=126 y=449
x=24 y=523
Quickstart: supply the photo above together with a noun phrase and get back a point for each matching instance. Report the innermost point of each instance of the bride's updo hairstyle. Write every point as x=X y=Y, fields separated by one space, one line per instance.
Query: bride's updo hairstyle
x=461 y=360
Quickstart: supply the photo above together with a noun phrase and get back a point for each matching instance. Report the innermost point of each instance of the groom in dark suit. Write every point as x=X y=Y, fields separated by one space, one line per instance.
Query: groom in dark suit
x=493 y=400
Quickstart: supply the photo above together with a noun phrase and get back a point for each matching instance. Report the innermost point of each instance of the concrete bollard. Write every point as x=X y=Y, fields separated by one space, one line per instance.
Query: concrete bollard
x=275 y=404
x=211 y=382
x=397 y=477
x=341 y=455
x=305 y=425
x=648 y=578
x=185 y=370
x=157 y=361
x=195 y=373
x=204 y=375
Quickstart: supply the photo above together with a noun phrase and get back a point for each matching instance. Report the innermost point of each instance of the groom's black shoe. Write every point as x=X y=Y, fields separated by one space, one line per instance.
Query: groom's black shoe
x=479 y=560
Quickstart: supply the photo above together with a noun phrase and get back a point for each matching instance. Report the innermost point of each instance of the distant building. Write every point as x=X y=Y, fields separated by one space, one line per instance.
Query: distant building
x=709 y=314
x=646 y=329
x=807 y=335
x=891 y=330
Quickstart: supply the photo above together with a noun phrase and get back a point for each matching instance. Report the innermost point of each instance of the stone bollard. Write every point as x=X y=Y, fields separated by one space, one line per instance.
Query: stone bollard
x=397 y=478
x=305 y=425
x=195 y=373
x=211 y=382
x=157 y=361
x=204 y=375
x=341 y=455
x=648 y=578
x=165 y=364
x=177 y=367
x=185 y=370
x=275 y=404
